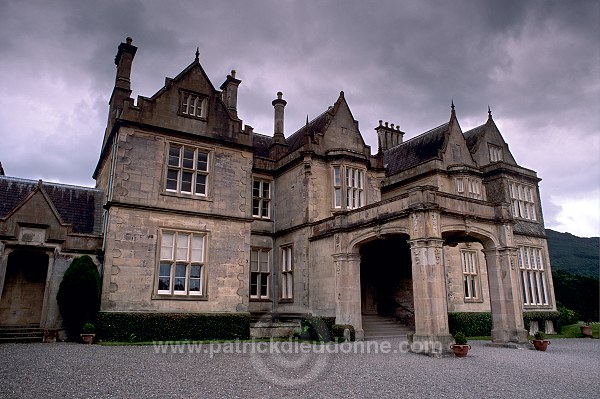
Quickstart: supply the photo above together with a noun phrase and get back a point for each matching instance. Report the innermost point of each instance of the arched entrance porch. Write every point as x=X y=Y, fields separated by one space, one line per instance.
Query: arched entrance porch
x=23 y=288
x=386 y=278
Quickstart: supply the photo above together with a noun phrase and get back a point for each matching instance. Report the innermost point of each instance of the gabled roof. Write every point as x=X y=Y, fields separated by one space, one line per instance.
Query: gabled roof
x=81 y=207
x=317 y=125
x=472 y=136
x=415 y=151
x=169 y=81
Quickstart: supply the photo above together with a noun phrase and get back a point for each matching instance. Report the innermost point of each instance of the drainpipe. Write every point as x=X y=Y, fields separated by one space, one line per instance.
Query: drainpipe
x=274 y=257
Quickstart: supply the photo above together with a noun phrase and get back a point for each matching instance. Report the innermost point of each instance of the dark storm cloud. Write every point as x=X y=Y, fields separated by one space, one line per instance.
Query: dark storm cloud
x=536 y=63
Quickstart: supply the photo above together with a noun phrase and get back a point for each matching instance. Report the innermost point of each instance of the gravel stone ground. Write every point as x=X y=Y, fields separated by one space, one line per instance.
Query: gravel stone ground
x=569 y=368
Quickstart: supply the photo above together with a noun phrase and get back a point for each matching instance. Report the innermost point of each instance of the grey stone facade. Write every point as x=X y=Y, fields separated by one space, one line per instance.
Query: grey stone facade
x=202 y=214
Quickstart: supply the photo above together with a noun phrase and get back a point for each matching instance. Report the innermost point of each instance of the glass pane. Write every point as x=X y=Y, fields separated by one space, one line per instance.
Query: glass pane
x=166 y=247
x=336 y=176
x=256 y=189
x=197 y=249
x=202 y=161
x=179 y=280
x=172 y=176
x=255 y=207
x=200 y=184
x=183 y=245
x=188 y=158
x=186 y=182
x=265 y=209
x=194 y=285
x=174 y=155
x=264 y=263
x=266 y=193
x=338 y=199
x=290 y=292
x=254 y=284
x=360 y=179
x=264 y=287
x=164 y=277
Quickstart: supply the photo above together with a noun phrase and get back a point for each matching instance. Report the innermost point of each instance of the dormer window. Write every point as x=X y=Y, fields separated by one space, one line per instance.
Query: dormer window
x=193 y=105
x=523 y=201
x=495 y=153
x=472 y=186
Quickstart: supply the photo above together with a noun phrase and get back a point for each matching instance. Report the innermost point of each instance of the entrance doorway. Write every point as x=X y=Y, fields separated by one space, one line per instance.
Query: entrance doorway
x=24 y=286
x=386 y=279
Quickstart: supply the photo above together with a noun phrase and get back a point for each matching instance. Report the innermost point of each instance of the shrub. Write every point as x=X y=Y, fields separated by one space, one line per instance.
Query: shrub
x=88 y=328
x=539 y=335
x=471 y=324
x=567 y=316
x=78 y=295
x=337 y=332
x=139 y=326
x=460 y=338
x=319 y=328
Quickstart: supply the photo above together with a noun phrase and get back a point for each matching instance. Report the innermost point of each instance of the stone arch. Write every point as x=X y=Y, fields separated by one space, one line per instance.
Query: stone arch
x=503 y=281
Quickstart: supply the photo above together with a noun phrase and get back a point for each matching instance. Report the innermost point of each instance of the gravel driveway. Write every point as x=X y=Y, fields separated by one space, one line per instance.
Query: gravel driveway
x=570 y=368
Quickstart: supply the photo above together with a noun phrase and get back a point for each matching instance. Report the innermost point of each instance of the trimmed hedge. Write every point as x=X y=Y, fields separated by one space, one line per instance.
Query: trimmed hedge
x=480 y=324
x=138 y=326
x=541 y=317
x=471 y=324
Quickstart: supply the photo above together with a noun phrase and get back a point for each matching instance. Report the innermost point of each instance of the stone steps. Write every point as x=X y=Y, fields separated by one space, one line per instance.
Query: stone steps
x=21 y=333
x=378 y=327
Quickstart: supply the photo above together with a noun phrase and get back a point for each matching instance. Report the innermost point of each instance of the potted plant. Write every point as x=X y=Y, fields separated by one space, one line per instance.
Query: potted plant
x=586 y=329
x=460 y=347
x=88 y=332
x=539 y=341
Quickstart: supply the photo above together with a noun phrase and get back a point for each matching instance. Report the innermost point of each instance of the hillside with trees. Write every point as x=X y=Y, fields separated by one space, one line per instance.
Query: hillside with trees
x=575 y=268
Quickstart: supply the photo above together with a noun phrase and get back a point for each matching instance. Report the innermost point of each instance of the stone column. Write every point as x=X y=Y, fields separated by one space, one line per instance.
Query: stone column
x=431 y=334
x=347 y=291
x=4 y=253
x=506 y=304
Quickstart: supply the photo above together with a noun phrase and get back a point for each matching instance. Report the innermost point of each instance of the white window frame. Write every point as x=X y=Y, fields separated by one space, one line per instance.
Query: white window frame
x=261 y=200
x=348 y=184
x=496 y=153
x=188 y=169
x=287 y=273
x=533 y=276
x=181 y=251
x=469 y=260
x=260 y=273
x=523 y=200
x=193 y=105
x=471 y=187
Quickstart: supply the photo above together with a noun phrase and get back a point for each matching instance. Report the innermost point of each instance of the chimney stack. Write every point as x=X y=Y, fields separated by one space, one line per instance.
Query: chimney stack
x=230 y=89
x=279 y=104
x=123 y=61
x=388 y=136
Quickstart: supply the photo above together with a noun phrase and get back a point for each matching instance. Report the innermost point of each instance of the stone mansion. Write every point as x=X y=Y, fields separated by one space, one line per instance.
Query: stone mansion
x=193 y=211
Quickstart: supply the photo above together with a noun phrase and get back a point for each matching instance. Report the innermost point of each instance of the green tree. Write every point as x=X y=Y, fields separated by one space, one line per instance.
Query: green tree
x=79 y=295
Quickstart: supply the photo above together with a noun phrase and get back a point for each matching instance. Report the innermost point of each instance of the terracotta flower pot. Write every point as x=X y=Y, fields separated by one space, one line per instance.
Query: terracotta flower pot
x=87 y=338
x=460 y=350
x=586 y=330
x=540 y=345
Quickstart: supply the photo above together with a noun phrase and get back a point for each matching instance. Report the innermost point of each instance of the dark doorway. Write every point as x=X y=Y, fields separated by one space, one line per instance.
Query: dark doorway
x=24 y=287
x=386 y=279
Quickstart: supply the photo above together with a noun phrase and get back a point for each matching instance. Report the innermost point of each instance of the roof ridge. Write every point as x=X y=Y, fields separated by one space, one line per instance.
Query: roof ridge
x=44 y=182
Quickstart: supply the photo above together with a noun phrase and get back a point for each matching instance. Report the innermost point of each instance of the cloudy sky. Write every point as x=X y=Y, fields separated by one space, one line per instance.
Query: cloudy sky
x=535 y=63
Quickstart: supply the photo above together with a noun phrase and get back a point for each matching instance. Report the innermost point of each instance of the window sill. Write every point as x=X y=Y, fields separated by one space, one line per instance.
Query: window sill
x=286 y=300
x=186 y=196
x=179 y=297
x=476 y=300
x=260 y=300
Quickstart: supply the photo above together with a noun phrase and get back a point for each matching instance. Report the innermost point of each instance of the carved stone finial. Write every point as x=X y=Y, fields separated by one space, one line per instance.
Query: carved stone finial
x=197 y=53
x=489 y=112
x=129 y=40
x=233 y=73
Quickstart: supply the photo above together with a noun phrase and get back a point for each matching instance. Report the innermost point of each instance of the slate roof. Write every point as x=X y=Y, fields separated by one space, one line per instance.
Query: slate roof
x=415 y=151
x=317 y=125
x=79 y=206
x=472 y=136
x=261 y=144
